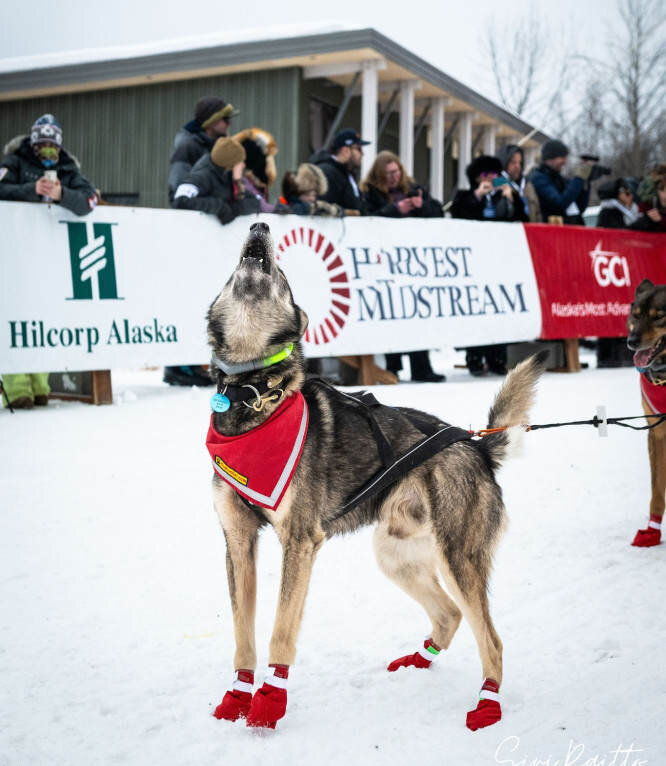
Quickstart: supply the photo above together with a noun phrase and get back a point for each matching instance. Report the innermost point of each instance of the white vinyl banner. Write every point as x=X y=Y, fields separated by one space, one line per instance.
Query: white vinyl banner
x=127 y=287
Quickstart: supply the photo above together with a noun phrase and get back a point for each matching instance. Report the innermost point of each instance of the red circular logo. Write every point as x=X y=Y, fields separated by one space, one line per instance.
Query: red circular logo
x=328 y=298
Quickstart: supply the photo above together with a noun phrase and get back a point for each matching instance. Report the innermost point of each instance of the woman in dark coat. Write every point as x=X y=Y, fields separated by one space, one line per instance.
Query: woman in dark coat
x=388 y=191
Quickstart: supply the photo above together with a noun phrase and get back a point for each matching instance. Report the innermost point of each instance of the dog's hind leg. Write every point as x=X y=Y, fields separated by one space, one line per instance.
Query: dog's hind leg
x=651 y=535
x=241 y=535
x=409 y=560
x=467 y=583
x=269 y=704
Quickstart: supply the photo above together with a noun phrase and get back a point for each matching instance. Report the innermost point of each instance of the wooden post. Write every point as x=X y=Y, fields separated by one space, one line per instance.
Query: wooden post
x=101 y=387
x=369 y=374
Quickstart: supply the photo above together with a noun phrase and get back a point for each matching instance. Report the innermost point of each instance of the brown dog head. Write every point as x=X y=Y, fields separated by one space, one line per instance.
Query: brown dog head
x=647 y=327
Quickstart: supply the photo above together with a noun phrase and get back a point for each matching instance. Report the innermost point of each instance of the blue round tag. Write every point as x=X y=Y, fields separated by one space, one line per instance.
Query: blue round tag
x=219 y=403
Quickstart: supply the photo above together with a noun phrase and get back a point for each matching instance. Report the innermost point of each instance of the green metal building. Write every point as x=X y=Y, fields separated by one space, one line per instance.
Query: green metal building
x=120 y=114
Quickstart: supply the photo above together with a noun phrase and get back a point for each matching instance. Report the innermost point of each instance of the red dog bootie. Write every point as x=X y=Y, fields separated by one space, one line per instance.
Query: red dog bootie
x=420 y=659
x=269 y=704
x=646 y=538
x=488 y=711
x=236 y=702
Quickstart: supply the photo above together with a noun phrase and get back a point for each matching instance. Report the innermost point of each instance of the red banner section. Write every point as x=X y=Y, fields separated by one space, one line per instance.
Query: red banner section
x=587 y=277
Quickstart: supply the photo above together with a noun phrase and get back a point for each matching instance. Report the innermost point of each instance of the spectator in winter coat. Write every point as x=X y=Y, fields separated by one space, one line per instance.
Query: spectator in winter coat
x=618 y=211
x=559 y=196
x=260 y=171
x=484 y=201
x=215 y=184
x=212 y=119
x=389 y=191
x=652 y=195
x=340 y=167
x=513 y=159
x=301 y=189
x=36 y=168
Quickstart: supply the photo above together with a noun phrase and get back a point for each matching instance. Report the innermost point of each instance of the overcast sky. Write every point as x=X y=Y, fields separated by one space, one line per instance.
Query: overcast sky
x=443 y=32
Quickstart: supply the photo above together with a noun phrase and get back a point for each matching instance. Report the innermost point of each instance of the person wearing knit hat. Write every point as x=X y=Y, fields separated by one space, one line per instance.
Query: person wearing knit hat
x=562 y=199
x=212 y=119
x=36 y=168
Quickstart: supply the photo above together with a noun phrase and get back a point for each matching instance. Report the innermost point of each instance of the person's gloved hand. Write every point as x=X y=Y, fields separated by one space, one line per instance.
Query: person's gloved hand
x=583 y=170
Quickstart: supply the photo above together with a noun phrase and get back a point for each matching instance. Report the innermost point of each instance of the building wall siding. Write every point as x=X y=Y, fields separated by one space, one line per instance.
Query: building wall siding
x=123 y=137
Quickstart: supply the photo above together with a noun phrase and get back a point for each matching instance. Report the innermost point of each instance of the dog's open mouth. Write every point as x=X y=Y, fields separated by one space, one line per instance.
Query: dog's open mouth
x=257 y=251
x=644 y=357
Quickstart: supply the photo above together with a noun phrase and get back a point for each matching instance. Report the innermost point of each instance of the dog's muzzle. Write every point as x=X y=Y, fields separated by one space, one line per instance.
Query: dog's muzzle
x=258 y=248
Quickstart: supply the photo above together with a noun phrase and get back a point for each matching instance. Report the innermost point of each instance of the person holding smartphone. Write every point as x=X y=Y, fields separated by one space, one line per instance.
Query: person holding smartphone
x=36 y=168
x=490 y=196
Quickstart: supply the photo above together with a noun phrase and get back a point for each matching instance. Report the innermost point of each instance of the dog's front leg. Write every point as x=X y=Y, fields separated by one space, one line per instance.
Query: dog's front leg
x=241 y=535
x=269 y=704
x=651 y=535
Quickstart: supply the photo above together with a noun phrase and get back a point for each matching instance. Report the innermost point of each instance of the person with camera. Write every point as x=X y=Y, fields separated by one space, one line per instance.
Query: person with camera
x=388 y=191
x=564 y=199
x=490 y=197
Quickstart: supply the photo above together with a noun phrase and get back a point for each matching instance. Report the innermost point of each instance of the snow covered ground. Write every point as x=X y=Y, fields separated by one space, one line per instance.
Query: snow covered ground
x=116 y=641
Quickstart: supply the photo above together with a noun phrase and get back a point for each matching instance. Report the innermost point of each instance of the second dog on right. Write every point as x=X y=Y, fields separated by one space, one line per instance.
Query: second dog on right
x=647 y=339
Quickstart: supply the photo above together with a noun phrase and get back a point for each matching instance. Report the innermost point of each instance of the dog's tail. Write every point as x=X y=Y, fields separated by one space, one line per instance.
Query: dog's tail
x=512 y=405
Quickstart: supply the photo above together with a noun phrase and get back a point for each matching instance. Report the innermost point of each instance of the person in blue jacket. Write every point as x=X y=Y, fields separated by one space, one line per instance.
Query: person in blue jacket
x=560 y=196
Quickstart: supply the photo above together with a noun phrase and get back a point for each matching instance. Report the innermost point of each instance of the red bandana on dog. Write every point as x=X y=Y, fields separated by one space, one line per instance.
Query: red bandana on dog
x=655 y=396
x=260 y=464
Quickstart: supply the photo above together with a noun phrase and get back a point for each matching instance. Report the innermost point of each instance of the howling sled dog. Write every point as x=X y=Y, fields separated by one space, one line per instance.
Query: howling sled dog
x=295 y=454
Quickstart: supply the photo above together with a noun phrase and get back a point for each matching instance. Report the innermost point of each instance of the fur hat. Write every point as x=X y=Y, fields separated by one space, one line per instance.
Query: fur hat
x=311 y=178
x=260 y=149
x=46 y=128
x=482 y=164
x=226 y=153
x=552 y=149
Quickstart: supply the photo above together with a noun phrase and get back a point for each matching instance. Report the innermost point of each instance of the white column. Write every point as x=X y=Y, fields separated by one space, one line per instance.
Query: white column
x=489 y=139
x=437 y=148
x=406 y=150
x=464 y=148
x=369 y=112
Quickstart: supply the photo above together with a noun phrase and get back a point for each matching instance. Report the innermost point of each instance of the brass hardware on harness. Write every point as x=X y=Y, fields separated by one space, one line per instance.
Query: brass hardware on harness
x=272 y=382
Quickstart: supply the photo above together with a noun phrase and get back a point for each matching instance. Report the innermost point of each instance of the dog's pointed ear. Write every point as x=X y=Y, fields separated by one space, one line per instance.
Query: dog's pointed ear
x=303 y=322
x=645 y=286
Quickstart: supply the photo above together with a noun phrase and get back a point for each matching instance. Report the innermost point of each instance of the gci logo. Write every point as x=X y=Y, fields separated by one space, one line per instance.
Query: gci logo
x=92 y=262
x=610 y=268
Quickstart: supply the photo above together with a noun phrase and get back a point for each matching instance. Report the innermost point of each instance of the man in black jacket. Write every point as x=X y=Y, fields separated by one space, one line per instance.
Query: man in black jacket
x=212 y=119
x=36 y=168
x=340 y=168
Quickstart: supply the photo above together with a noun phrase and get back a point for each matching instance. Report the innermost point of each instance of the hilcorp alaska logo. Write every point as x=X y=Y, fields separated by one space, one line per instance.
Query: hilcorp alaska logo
x=93 y=271
x=609 y=267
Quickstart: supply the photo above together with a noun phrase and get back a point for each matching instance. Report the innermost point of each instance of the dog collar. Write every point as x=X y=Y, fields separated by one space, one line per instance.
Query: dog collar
x=254 y=364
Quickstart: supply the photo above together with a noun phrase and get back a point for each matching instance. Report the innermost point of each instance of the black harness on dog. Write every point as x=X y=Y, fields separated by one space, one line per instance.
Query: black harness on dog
x=436 y=438
x=393 y=468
